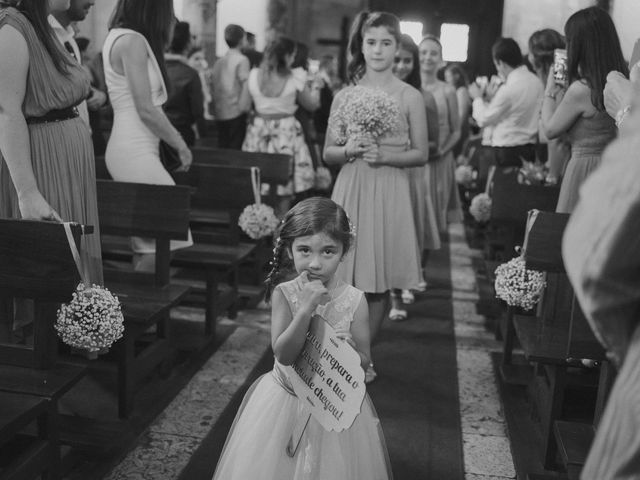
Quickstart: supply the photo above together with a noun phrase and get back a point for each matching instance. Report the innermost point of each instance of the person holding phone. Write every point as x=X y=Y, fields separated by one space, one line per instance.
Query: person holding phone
x=593 y=50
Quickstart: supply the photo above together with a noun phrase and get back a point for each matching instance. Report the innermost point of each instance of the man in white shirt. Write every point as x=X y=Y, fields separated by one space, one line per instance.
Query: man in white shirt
x=61 y=24
x=514 y=110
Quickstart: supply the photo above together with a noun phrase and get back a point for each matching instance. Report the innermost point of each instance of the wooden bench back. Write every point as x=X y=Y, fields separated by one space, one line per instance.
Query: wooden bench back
x=542 y=247
x=511 y=200
x=220 y=189
x=558 y=310
x=275 y=168
x=35 y=263
x=160 y=212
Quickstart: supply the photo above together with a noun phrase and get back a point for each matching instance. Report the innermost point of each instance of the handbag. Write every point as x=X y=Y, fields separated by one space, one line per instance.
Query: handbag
x=169 y=157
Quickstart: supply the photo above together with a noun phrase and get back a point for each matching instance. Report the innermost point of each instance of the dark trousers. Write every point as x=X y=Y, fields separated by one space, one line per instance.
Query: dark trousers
x=231 y=132
x=514 y=156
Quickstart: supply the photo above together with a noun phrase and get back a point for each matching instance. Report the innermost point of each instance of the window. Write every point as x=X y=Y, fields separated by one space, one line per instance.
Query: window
x=455 y=42
x=413 y=29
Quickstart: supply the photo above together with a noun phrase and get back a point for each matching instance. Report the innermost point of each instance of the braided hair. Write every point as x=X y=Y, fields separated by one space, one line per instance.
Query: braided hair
x=309 y=217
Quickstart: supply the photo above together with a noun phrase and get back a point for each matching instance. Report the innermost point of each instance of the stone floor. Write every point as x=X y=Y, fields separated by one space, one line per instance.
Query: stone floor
x=166 y=446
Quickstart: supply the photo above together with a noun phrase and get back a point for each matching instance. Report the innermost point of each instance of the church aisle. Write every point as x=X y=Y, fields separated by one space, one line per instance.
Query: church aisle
x=436 y=394
x=487 y=452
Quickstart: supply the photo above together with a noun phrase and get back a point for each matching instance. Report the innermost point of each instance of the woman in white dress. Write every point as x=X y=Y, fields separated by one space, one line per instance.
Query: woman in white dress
x=135 y=75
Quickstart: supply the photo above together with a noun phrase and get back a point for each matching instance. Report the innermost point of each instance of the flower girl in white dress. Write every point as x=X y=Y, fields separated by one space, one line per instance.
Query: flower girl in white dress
x=313 y=239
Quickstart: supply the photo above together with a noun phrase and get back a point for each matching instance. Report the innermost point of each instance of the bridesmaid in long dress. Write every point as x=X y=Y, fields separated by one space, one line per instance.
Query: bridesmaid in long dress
x=443 y=184
x=372 y=185
x=407 y=68
x=47 y=168
x=593 y=51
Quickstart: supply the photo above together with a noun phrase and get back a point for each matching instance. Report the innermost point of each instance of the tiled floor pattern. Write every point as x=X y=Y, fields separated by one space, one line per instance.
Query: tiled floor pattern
x=487 y=455
x=165 y=448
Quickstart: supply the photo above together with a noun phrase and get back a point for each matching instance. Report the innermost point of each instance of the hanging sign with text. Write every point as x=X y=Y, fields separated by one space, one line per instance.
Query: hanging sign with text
x=328 y=378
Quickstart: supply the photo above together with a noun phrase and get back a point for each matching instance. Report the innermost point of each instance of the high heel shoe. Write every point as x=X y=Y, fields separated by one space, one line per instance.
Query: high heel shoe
x=407 y=296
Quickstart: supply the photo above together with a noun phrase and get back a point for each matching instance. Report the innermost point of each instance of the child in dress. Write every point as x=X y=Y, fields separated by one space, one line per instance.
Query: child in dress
x=312 y=240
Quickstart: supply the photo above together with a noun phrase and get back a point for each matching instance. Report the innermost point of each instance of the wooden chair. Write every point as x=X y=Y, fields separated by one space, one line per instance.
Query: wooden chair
x=558 y=337
x=37 y=264
x=160 y=212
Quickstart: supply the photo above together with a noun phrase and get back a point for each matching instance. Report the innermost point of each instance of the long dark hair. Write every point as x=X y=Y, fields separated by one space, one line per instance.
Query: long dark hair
x=542 y=43
x=309 y=217
x=36 y=11
x=274 y=59
x=460 y=78
x=363 y=22
x=153 y=19
x=407 y=43
x=593 y=50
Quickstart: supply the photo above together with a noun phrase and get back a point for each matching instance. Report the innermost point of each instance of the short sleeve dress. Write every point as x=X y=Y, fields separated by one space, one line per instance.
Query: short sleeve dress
x=61 y=151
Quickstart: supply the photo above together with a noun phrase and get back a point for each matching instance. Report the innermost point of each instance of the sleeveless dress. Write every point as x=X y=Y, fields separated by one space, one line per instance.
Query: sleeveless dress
x=255 y=447
x=442 y=182
x=282 y=134
x=132 y=153
x=385 y=253
x=61 y=152
x=588 y=138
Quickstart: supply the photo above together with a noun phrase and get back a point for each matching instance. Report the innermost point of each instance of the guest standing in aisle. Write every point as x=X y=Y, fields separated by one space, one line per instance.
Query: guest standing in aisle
x=443 y=187
x=276 y=93
x=47 y=168
x=372 y=185
x=593 y=50
x=135 y=73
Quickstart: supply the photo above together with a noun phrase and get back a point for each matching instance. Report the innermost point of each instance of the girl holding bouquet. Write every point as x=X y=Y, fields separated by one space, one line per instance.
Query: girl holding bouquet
x=377 y=129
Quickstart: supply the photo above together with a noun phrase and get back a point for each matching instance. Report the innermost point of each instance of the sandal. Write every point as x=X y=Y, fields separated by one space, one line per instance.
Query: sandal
x=370 y=374
x=421 y=287
x=397 y=315
x=407 y=296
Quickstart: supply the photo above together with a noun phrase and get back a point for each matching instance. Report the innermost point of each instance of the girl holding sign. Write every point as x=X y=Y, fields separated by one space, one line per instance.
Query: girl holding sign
x=274 y=436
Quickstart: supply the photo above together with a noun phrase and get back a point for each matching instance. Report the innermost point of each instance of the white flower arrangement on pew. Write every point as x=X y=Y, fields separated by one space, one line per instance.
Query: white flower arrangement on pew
x=517 y=285
x=465 y=175
x=480 y=208
x=257 y=220
x=92 y=320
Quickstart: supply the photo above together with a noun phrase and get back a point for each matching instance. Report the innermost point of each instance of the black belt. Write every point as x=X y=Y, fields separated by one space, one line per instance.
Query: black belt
x=54 y=116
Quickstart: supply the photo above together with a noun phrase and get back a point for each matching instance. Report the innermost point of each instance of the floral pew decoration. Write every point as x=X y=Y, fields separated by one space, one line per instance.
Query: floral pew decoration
x=517 y=285
x=92 y=321
x=257 y=220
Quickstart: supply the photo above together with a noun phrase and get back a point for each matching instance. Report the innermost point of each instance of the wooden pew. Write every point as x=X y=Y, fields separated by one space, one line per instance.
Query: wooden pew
x=37 y=264
x=558 y=333
x=510 y=203
x=219 y=253
x=160 y=212
x=275 y=168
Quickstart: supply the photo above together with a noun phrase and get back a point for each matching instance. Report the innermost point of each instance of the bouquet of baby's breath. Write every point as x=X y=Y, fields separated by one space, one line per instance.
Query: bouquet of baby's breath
x=258 y=220
x=92 y=320
x=480 y=208
x=517 y=285
x=365 y=112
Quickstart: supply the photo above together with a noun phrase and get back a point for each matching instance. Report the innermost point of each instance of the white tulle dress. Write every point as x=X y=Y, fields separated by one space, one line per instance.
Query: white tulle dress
x=256 y=446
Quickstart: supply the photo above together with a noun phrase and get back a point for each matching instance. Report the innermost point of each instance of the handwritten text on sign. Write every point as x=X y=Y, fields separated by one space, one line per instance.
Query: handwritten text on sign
x=327 y=376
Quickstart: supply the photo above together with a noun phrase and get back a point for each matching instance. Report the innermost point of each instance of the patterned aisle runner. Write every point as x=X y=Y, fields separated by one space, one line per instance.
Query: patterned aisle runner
x=487 y=454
